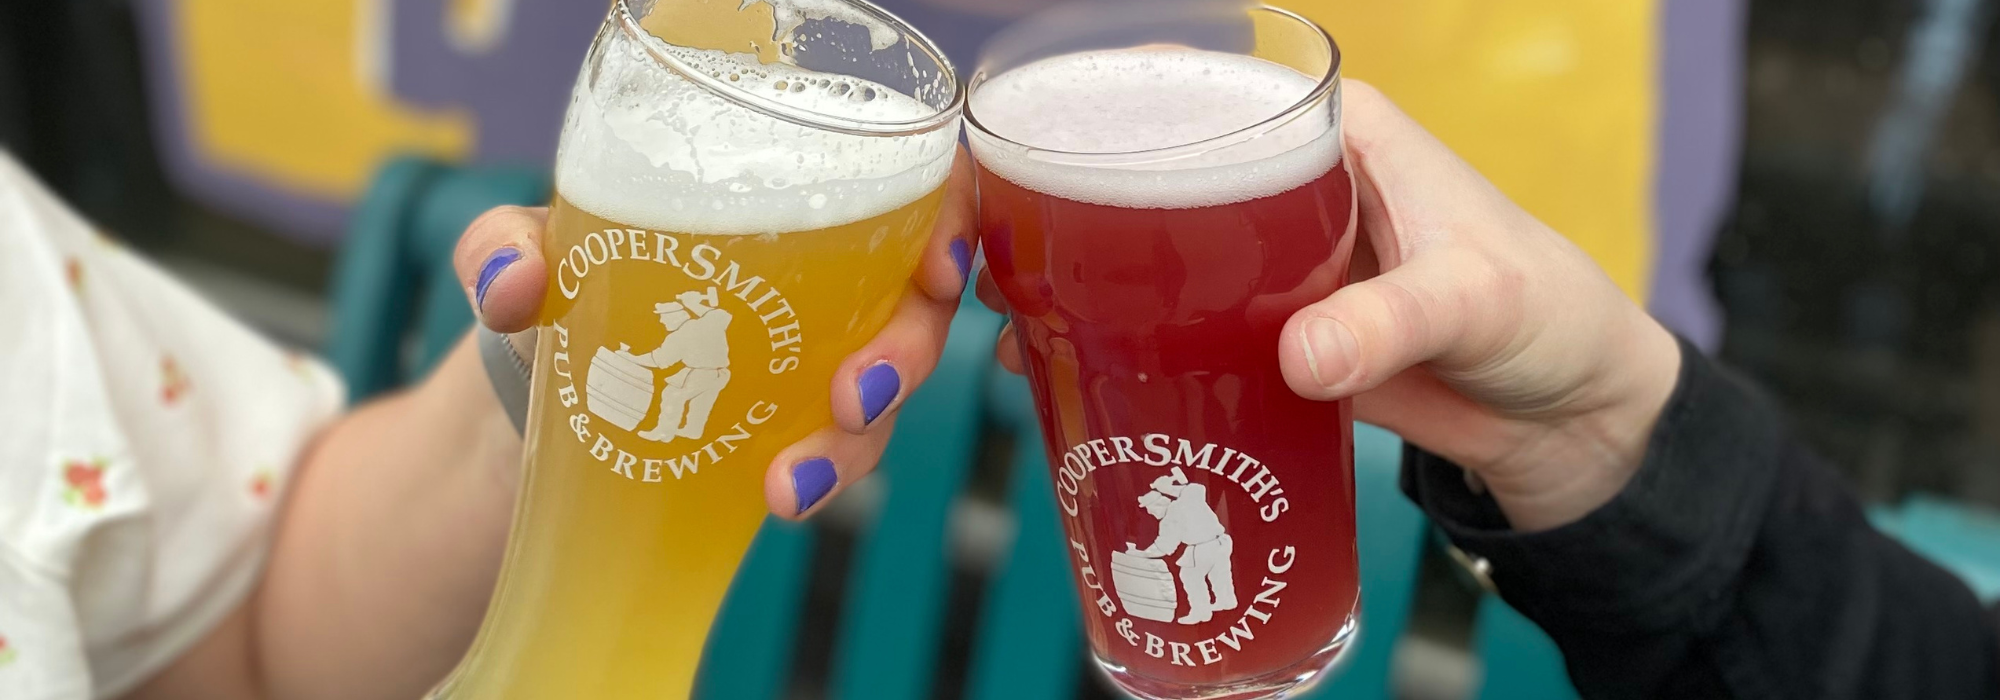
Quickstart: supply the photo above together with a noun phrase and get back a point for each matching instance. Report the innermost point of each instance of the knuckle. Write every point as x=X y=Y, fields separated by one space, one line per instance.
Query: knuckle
x=488 y=219
x=505 y=221
x=1406 y=314
x=1494 y=303
x=1388 y=321
x=1462 y=305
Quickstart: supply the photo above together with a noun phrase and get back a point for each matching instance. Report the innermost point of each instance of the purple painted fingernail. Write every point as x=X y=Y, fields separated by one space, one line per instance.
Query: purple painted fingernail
x=489 y=271
x=961 y=253
x=879 y=385
x=812 y=480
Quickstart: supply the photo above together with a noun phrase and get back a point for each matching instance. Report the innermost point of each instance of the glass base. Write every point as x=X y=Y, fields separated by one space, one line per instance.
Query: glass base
x=1282 y=683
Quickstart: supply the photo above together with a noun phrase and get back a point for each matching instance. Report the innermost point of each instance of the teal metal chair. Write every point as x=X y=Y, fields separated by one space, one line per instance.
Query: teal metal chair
x=398 y=248
x=898 y=581
x=1964 y=539
x=1027 y=642
x=892 y=620
x=1518 y=661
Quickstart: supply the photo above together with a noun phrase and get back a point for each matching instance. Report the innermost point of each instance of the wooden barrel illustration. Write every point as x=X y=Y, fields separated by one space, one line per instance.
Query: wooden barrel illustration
x=617 y=390
x=1144 y=587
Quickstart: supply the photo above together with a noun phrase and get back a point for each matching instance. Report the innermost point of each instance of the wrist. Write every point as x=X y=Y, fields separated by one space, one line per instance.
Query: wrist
x=1579 y=462
x=507 y=360
x=465 y=409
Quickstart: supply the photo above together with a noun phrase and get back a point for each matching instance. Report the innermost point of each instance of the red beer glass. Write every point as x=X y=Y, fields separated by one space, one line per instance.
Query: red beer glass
x=1161 y=186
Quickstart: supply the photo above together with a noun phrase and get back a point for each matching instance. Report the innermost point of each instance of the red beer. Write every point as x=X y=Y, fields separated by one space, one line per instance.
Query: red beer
x=1209 y=510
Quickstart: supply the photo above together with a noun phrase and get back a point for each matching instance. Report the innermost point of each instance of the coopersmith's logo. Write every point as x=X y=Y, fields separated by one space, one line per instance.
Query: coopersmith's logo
x=1187 y=575
x=666 y=393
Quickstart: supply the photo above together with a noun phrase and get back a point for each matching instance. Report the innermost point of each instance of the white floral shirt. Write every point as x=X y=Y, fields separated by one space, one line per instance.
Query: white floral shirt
x=145 y=442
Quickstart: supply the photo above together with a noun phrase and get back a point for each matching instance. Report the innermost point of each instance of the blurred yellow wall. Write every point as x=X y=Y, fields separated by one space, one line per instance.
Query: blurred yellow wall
x=294 y=93
x=1551 y=99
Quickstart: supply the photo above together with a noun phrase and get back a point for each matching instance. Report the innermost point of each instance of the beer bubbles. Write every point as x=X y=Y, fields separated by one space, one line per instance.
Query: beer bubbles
x=698 y=140
x=1190 y=125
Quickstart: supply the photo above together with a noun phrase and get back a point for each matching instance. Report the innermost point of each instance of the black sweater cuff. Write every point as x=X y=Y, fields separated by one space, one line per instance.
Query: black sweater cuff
x=1675 y=538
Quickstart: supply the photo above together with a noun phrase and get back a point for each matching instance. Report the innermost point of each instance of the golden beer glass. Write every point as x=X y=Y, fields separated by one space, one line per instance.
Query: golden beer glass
x=742 y=193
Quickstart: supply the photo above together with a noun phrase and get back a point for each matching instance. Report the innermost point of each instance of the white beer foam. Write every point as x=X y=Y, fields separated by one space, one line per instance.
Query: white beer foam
x=792 y=13
x=646 y=146
x=1127 y=100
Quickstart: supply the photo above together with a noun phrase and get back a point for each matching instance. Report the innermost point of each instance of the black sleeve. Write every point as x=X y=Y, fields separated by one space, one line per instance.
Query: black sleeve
x=1734 y=565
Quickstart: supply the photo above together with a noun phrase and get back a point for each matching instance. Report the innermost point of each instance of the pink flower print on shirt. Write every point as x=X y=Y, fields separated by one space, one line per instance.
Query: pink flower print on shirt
x=263 y=484
x=174 y=384
x=73 y=273
x=296 y=362
x=6 y=652
x=85 y=483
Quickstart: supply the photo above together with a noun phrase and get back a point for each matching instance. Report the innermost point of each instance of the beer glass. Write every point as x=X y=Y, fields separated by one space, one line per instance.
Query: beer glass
x=1161 y=187
x=742 y=193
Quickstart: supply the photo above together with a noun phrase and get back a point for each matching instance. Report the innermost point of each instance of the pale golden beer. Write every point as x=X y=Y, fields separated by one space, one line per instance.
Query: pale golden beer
x=712 y=260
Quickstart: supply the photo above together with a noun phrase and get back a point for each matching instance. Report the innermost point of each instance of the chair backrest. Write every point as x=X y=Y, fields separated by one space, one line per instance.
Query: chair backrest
x=1962 y=538
x=891 y=619
x=398 y=248
x=1517 y=660
x=1030 y=643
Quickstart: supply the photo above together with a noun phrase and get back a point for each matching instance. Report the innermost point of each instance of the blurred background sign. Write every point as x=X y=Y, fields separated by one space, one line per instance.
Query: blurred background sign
x=279 y=113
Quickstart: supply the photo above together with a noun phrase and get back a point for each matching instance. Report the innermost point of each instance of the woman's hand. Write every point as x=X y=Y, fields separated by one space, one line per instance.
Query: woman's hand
x=500 y=263
x=1474 y=331
x=1480 y=334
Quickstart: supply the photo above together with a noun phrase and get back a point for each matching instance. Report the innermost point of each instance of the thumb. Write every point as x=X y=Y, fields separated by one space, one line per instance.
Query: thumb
x=1370 y=331
x=499 y=263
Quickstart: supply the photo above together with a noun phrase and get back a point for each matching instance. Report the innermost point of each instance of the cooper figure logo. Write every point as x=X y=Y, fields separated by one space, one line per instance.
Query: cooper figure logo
x=1143 y=592
x=619 y=385
x=1187 y=525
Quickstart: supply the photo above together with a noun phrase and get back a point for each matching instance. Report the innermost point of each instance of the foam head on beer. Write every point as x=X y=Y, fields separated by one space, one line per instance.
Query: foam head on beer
x=1079 y=111
x=646 y=144
x=791 y=14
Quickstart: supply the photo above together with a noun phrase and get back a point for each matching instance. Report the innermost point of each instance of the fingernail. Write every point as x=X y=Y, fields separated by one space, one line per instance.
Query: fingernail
x=812 y=480
x=961 y=253
x=489 y=271
x=1341 y=353
x=879 y=385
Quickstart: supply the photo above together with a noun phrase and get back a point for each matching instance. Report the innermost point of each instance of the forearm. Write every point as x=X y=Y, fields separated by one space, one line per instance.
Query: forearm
x=1732 y=565
x=383 y=559
x=389 y=548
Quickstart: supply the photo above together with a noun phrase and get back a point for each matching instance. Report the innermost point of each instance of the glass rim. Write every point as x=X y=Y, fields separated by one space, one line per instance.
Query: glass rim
x=1328 y=83
x=953 y=107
